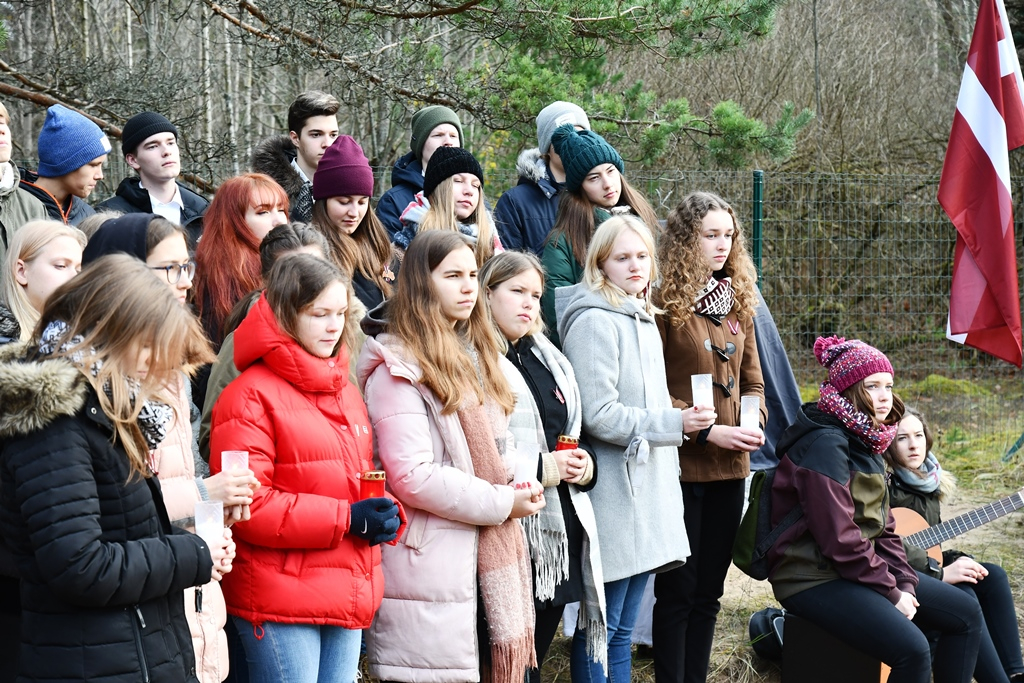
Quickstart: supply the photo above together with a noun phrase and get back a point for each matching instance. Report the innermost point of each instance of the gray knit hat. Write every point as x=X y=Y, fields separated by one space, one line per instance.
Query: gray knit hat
x=67 y=142
x=426 y=120
x=582 y=151
x=554 y=115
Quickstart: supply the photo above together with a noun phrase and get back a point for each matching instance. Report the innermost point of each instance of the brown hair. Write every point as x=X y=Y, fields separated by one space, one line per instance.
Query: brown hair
x=117 y=307
x=576 y=220
x=295 y=282
x=415 y=317
x=309 y=104
x=861 y=400
x=366 y=251
x=890 y=452
x=685 y=270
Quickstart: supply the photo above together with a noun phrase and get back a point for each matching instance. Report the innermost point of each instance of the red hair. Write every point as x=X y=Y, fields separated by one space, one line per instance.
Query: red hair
x=228 y=255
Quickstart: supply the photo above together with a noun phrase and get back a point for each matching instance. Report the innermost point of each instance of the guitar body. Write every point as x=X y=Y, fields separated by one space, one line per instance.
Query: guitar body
x=909 y=522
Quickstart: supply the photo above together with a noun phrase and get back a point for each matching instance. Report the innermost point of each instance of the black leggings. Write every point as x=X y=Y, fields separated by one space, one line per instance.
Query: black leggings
x=867 y=621
x=999 y=656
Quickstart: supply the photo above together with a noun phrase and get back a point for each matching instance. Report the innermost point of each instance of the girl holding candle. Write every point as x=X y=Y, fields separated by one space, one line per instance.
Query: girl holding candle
x=308 y=576
x=707 y=291
x=609 y=334
x=82 y=403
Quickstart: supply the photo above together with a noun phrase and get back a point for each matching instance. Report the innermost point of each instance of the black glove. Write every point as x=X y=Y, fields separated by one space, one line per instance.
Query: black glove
x=375 y=520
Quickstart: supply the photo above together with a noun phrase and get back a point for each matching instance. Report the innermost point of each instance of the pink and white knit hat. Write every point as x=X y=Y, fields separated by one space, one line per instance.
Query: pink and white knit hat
x=849 y=362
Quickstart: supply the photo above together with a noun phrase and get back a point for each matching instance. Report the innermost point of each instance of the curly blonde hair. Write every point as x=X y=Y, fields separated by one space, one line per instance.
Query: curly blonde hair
x=684 y=268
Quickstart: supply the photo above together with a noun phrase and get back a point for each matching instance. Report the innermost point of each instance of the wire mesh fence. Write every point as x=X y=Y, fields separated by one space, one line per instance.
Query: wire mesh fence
x=856 y=255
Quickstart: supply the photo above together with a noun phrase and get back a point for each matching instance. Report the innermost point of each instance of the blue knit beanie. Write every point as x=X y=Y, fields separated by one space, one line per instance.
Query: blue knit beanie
x=67 y=142
x=582 y=151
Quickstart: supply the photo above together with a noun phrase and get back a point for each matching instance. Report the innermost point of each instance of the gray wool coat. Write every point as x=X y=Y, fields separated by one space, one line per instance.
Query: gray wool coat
x=617 y=355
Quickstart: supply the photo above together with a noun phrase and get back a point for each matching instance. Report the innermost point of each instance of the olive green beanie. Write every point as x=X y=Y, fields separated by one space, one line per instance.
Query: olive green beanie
x=426 y=120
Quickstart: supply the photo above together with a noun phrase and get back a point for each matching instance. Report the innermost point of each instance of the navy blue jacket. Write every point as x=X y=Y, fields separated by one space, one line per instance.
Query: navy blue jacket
x=526 y=213
x=406 y=181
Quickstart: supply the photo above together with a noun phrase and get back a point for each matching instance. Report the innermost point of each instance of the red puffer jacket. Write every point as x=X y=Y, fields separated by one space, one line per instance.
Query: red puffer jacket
x=308 y=436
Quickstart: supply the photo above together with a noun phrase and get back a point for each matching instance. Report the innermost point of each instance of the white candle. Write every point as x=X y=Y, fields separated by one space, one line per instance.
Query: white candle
x=703 y=391
x=750 y=412
x=210 y=521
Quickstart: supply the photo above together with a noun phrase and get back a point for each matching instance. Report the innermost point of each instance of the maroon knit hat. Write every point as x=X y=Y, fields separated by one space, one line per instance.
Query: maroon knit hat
x=849 y=362
x=343 y=171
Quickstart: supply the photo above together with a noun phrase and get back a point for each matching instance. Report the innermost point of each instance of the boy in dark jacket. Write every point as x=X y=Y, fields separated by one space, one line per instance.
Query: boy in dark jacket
x=150 y=145
x=292 y=159
x=526 y=213
x=432 y=127
x=72 y=150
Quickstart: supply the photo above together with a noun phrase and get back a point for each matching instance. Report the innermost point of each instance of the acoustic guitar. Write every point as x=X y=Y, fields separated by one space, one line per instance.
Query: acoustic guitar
x=915 y=530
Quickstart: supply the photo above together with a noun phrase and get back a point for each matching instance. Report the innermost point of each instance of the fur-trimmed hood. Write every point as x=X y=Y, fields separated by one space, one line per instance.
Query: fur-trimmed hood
x=34 y=393
x=10 y=330
x=530 y=165
x=274 y=156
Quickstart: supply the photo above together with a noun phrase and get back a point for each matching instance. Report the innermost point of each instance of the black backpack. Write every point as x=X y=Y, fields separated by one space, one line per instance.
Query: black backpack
x=756 y=536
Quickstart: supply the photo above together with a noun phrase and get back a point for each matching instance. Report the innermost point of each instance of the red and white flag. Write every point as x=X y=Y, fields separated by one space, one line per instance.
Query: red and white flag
x=984 y=302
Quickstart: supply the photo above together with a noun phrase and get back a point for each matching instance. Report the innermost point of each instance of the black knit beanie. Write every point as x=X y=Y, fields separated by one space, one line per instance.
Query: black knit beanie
x=141 y=126
x=446 y=162
x=122 y=235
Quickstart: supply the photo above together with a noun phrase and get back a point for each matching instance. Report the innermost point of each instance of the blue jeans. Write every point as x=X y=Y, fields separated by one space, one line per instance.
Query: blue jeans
x=622 y=599
x=299 y=653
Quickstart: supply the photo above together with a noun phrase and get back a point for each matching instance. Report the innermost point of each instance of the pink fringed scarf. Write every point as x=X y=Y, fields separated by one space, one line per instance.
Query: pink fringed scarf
x=503 y=567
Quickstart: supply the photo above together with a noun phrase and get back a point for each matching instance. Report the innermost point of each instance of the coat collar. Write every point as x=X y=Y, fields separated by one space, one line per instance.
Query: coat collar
x=33 y=393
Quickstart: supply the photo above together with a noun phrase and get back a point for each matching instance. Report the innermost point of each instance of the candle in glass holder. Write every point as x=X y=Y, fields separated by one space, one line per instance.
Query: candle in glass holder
x=703 y=389
x=210 y=521
x=371 y=484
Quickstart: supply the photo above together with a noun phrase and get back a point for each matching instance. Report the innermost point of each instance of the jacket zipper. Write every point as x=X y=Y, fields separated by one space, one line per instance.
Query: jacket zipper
x=137 y=630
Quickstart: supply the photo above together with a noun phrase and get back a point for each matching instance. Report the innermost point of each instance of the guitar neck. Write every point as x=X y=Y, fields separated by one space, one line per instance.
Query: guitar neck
x=952 y=528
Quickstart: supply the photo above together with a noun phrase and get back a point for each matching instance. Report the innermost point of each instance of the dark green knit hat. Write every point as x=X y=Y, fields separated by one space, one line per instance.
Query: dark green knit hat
x=426 y=120
x=581 y=151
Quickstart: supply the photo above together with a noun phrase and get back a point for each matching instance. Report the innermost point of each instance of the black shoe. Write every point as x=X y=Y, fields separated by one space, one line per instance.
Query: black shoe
x=644 y=651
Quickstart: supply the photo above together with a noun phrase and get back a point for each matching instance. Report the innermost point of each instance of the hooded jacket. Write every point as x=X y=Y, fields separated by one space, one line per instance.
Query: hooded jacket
x=526 y=213
x=274 y=157
x=426 y=629
x=102 y=568
x=308 y=436
x=17 y=207
x=406 y=181
x=131 y=197
x=75 y=212
x=628 y=416
x=846 y=530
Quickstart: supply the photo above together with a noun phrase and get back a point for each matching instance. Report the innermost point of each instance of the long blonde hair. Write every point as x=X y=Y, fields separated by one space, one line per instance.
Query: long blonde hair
x=445 y=355
x=601 y=249
x=686 y=270
x=441 y=216
x=26 y=245
x=118 y=307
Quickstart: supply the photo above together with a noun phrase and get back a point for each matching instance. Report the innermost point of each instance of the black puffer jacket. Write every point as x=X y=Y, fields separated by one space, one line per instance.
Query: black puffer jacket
x=102 y=568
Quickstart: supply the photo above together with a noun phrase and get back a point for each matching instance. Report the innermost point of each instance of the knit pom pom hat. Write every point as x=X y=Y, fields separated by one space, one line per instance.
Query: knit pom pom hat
x=582 y=151
x=343 y=171
x=446 y=162
x=849 y=362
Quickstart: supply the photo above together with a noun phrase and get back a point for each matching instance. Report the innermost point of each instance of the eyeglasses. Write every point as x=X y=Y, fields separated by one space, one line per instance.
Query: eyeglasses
x=174 y=271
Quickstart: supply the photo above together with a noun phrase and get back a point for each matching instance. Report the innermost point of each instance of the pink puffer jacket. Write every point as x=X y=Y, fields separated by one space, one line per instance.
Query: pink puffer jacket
x=426 y=628
x=175 y=468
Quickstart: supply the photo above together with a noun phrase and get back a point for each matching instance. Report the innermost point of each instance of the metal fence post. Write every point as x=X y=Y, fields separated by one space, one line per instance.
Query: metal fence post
x=757 y=222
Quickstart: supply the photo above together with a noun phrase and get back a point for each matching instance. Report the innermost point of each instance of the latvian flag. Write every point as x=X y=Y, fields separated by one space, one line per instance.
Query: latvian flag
x=984 y=303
